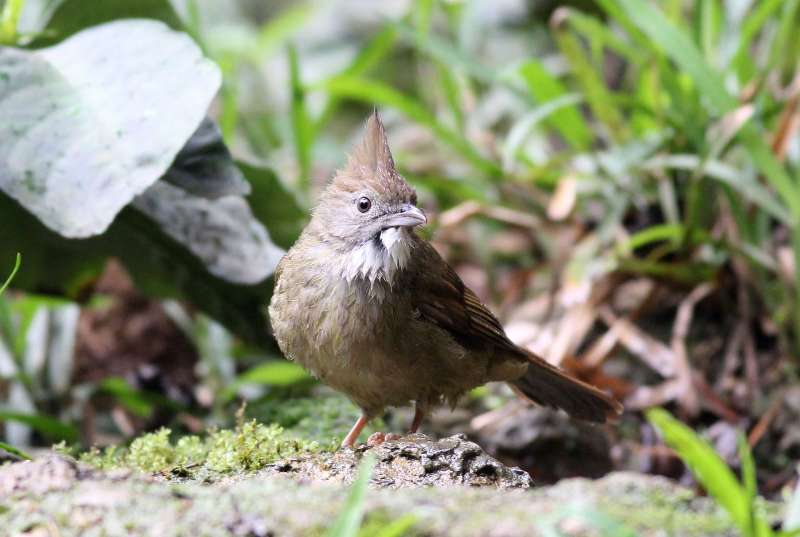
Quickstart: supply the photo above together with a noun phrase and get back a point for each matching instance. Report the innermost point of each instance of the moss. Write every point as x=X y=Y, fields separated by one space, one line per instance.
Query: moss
x=251 y=446
x=248 y=447
x=381 y=522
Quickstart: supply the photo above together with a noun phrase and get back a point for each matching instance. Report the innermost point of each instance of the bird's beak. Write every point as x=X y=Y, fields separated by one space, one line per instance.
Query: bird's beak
x=410 y=216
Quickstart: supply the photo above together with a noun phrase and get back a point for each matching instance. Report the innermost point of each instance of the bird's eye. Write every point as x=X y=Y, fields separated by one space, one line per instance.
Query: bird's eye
x=363 y=204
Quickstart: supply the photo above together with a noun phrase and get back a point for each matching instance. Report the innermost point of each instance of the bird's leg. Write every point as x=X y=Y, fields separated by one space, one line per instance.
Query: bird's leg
x=418 y=415
x=352 y=436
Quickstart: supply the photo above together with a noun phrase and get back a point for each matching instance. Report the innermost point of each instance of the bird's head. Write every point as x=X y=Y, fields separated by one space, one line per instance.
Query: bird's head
x=368 y=197
x=368 y=212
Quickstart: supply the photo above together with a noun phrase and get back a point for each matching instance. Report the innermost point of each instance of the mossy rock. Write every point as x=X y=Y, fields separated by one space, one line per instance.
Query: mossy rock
x=304 y=494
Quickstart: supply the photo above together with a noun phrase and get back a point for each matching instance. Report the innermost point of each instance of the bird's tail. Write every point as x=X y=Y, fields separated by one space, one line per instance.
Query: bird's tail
x=547 y=385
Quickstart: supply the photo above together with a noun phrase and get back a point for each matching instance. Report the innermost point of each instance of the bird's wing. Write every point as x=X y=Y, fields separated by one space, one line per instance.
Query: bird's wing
x=441 y=298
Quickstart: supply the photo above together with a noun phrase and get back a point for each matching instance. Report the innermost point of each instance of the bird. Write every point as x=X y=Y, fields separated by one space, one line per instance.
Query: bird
x=371 y=309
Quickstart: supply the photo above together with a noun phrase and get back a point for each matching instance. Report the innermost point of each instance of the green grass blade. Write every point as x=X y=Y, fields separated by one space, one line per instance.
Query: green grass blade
x=568 y=120
x=680 y=48
x=452 y=93
x=708 y=20
x=600 y=99
x=367 y=58
x=15 y=451
x=349 y=520
x=9 y=18
x=444 y=52
x=749 y=481
x=397 y=528
x=747 y=187
x=593 y=28
x=270 y=373
x=229 y=97
x=520 y=131
x=752 y=25
x=50 y=428
x=378 y=93
x=710 y=470
x=17 y=264
x=278 y=29
x=301 y=123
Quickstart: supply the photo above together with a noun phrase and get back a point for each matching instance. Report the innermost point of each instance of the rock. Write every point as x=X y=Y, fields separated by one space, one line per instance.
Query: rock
x=54 y=495
x=412 y=461
x=549 y=445
x=38 y=477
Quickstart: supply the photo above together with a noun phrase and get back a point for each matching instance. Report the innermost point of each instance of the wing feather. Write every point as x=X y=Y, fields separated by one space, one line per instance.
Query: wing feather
x=442 y=298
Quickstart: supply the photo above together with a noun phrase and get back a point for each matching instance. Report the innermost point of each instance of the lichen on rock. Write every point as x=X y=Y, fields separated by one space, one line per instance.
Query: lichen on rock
x=412 y=461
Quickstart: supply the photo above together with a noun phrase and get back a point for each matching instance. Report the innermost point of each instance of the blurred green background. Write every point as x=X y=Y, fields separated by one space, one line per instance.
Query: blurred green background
x=618 y=180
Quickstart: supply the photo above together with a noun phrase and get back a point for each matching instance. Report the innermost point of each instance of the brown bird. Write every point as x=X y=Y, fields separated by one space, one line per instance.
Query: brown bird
x=372 y=310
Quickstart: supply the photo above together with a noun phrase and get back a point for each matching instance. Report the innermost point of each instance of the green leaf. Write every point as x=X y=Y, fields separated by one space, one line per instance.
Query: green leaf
x=349 y=521
x=13 y=272
x=567 y=120
x=159 y=265
x=664 y=35
x=301 y=123
x=708 y=20
x=743 y=183
x=204 y=166
x=274 y=373
x=72 y=16
x=710 y=470
x=590 y=80
x=378 y=93
x=50 y=428
x=14 y=451
x=82 y=127
x=748 y=480
x=679 y=46
x=139 y=402
x=523 y=127
x=280 y=373
x=444 y=52
x=274 y=205
x=366 y=59
x=751 y=26
x=397 y=528
x=221 y=232
x=9 y=18
x=278 y=28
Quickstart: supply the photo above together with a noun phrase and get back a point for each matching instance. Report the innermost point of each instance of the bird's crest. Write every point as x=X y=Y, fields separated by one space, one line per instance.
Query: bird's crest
x=371 y=162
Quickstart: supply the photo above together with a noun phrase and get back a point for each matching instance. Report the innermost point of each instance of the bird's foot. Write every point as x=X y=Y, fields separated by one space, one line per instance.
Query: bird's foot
x=376 y=439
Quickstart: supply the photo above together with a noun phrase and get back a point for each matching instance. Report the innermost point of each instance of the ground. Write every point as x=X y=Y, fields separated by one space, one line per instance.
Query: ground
x=418 y=487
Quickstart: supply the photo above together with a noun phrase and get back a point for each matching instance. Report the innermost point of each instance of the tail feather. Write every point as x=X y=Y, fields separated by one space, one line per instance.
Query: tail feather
x=547 y=385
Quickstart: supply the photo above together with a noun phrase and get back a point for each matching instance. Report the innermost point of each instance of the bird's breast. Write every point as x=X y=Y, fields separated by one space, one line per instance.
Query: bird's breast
x=380 y=259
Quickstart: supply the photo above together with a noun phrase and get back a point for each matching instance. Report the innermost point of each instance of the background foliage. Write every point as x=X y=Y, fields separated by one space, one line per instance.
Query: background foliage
x=617 y=179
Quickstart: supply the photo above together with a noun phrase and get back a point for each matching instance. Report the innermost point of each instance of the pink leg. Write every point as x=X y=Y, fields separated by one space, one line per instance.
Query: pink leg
x=352 y=436
x=418 y=415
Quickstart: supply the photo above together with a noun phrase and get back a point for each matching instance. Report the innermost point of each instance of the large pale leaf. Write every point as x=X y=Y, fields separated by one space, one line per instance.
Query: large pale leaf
x=221 y=232
x=159 y=265
x=204 y=166
x=90 y=123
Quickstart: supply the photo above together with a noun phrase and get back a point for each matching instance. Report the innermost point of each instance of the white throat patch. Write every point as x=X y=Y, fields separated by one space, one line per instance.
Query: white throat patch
x=373 y=261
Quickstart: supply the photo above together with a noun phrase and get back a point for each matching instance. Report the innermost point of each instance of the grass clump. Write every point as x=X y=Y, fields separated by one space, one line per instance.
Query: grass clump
x=248 y=447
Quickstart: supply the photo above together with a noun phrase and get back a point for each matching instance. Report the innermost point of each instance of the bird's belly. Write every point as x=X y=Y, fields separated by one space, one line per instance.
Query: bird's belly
x=375 y=353
x=390 y=369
